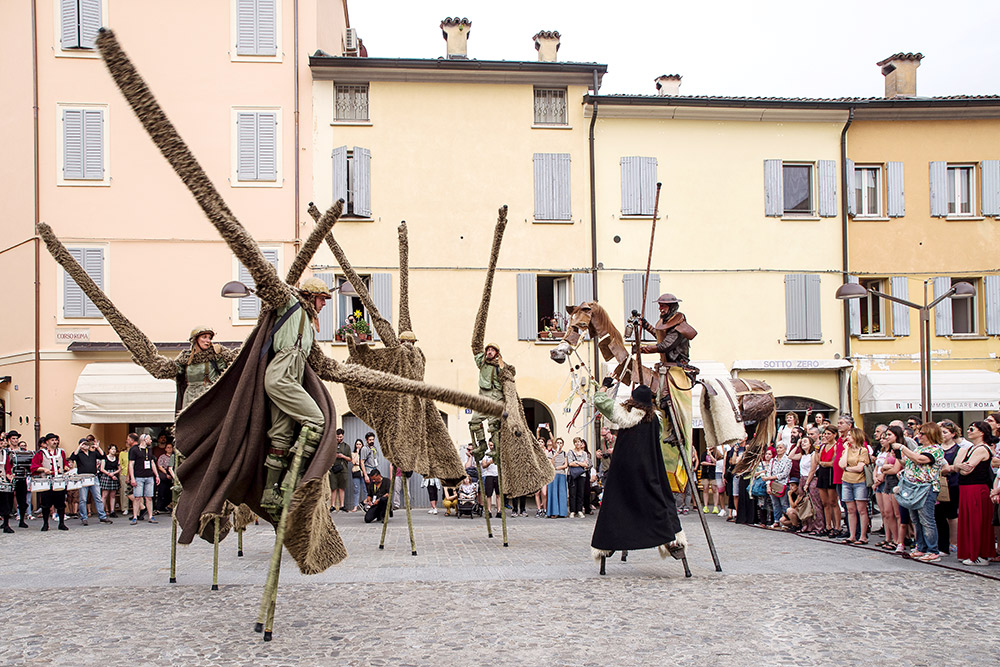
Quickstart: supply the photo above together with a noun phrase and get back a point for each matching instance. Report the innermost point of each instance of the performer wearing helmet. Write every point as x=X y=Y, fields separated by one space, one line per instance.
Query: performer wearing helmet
x=490 y=364
x=201 y=366
x=292 y=337
x=672 y=331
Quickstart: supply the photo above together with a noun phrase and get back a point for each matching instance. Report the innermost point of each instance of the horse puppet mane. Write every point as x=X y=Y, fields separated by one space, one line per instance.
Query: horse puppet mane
x=603 y=330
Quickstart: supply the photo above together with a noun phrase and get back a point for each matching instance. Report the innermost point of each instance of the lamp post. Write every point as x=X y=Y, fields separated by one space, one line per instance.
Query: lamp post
x=961 y=290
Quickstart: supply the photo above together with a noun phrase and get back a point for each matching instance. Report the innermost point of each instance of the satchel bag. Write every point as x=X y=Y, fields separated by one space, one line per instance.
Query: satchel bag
x=870 y=475
x=944 y=495
x=805 y=508
x=776 y=489
x=911 y=495
x=758 y=489
x=338 y=468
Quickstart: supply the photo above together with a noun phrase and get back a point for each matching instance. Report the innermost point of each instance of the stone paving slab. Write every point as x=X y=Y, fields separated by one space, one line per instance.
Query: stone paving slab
x=67 y=599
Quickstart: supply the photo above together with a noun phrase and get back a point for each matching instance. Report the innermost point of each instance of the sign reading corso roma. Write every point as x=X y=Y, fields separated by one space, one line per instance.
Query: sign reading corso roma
x=72 y=335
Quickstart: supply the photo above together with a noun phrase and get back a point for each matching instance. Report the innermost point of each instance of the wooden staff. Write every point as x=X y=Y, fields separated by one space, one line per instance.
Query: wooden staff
x=388 y=506
x=645 y=285
x=409 y=521
x=215 y=557
x=173 y=547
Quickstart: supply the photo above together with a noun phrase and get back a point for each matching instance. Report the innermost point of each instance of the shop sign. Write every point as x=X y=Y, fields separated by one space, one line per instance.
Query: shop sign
x=72 y=336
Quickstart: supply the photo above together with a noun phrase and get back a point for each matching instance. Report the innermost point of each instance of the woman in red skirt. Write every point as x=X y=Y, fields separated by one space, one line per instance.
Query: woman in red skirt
x=975 y=511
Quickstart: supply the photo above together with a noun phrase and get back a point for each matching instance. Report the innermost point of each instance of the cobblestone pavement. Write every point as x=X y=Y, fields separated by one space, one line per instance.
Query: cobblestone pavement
x=99 y=595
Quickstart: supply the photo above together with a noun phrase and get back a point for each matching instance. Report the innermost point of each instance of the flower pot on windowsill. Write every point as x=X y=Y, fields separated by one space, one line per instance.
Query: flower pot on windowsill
x=362 y=336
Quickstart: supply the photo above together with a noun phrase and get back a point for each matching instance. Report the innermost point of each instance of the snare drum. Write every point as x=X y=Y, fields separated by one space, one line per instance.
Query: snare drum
x=58 y=483
x=41 y=484
x=87 y=479
x=6 y=487
x=73 y=482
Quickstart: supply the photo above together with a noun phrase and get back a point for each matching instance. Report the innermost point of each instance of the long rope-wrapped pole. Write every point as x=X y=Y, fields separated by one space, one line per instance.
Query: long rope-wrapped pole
x=270 y=288
x=382 y=326
x=388 y=505
x=479 y=329
x=323 y=226
x=409 y=519
x=645 y=289
x=404 y=278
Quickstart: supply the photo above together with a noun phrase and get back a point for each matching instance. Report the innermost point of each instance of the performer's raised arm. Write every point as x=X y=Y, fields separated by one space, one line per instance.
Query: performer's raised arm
x=323 y=226
x=143 y=351
x=479 y=329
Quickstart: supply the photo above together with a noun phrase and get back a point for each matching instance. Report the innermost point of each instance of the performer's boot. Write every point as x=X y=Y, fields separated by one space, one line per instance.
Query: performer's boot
x=62 y=520
x=45 y=520
x=276 y=464
x=6 y=524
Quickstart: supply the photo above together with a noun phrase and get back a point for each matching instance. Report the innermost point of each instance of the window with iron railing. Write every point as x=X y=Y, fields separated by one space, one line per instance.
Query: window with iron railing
x=351 y=103
x=550 y=106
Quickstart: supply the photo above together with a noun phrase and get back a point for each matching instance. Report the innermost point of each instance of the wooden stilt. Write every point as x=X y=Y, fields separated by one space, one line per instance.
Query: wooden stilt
x=604 y=561
x=173 y=548
x=388 y=506
x=624 y=556
x=482 y=494
x=239 y=547
x=409 y=519
x=215 y=557
x=265 y=615
x=503 y=505
x=687 y=570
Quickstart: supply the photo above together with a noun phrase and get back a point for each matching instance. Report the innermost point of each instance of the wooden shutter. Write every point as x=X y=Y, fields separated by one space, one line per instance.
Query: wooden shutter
x=93 y=144
x=894 y=188
x=382 y=297
x=249 y=306
x=326 y=316
x=90 y=22
x=361 y=181
x=991 y=187
x=246 y=146
x=854 y=309
x=75 y=302
x=69 y=25
x=795 y=306
x=267 y=28
x=340 y=174
x=583 y=288
x=267 y=146
x=638 y=185
x=552 y=186
x=991 y=287
x=72 y=143
x=527 y=307
x=344 y=304
x=900 y=287
x=943 y=325
x=852 y=187
x=774 y=200
x=939 y=190
x=827 y=188
x=246 y=27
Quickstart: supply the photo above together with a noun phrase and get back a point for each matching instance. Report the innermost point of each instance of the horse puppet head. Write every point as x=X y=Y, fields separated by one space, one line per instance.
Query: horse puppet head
x=590 y=316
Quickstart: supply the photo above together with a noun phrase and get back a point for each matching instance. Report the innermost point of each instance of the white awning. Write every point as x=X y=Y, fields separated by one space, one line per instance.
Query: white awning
x=122 y=393
x=899 y=391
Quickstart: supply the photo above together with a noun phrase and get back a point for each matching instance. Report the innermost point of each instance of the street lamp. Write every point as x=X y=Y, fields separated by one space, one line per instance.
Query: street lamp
x=961 y=290
x=234 y=289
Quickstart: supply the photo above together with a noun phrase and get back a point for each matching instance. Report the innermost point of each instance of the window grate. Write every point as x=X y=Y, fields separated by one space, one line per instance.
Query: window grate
x=351 y=103
x=550 y=106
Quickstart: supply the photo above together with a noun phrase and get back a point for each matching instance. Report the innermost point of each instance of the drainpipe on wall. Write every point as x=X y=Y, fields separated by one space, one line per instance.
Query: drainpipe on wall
x=295 y=114
x=37 y=217
x=845 y=407
x=593 y=243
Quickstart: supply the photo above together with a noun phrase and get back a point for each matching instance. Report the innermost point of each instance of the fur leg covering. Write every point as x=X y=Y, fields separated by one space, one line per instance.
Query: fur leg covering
x=310 y=536
x=598 y=554
x=270 y=287
x=404 y=278
x=676 y=548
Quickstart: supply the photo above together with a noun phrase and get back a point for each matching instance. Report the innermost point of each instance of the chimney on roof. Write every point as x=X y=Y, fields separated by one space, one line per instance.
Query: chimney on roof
x=668 y=85
x=900 y=72
x=547 y=45
x=456 y=34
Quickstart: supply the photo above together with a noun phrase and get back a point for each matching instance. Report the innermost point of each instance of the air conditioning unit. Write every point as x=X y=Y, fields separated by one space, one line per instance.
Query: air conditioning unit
x=351 y=42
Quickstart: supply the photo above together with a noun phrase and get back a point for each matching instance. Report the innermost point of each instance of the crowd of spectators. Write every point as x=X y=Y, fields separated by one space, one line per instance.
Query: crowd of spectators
x=933 y=488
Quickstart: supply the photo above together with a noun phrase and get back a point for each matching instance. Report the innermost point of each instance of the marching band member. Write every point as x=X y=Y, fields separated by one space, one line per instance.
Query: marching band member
x=49 y=462
x=7 y=481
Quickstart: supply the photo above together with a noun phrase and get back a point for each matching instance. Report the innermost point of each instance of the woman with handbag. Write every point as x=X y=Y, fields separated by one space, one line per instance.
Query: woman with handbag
x=975 y=512
x=808 y=467
x=946 y=510
x=918 y=488
x=579 y=462
x=824 y=482
x=776 y=476
x=854 y=490
x=887 y=468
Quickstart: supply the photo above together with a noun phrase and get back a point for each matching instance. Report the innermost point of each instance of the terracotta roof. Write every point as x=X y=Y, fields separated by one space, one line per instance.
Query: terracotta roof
x=673 y=77
x=546 y=34
x=901 y=56
x=449 y=21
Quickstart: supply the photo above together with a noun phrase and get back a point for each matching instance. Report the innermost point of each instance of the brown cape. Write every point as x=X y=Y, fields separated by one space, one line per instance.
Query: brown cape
x=223 y=434
x=410 y=429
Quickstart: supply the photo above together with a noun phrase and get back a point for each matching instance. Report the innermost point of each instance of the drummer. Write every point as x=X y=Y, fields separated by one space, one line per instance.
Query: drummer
x=50 y=461
x=87 y=456
x=6 y=484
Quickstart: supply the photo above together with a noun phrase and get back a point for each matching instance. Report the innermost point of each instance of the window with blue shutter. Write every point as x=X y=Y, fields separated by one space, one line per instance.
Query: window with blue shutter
x=942 y=311
x=83 y=144
x=802 y=307
x=991 y=289
x=552 y=186
x=638 y=185
x=326 y=316
x=256 y=27
x=633 y=298
x=827 y=188
x=583 y=288
x=257 y=146
x=79 y=21
x=991 y=188
x=939 y=189
x=774 y=206
x=852 y=207
x=853 y=307
x=249 y=306
x=900 y=286
x=894 y=187
x=382 y=297
x=527 y=307
x=361 y=182
x=75 y=302
x=339 y=157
